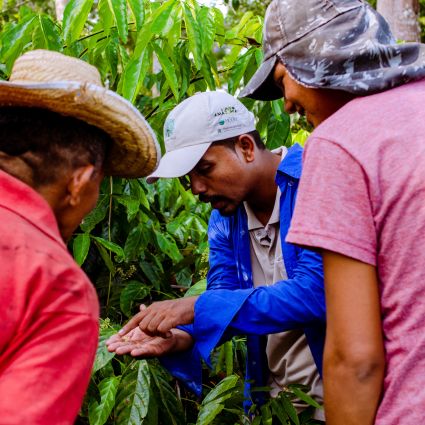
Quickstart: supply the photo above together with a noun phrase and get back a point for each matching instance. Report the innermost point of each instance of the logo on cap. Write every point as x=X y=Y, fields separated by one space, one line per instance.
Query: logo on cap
x=225 y=111
x=169 y=127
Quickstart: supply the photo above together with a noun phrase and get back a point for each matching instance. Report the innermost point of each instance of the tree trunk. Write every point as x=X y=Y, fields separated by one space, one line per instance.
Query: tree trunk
x=60 y=7
x=402 y=15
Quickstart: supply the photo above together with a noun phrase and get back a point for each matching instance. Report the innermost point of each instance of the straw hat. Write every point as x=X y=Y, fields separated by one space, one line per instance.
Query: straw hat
x=72 y=87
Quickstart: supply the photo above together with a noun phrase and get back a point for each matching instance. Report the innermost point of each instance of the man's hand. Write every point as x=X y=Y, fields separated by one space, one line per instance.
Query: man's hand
x=160 y=317
x=138 y=344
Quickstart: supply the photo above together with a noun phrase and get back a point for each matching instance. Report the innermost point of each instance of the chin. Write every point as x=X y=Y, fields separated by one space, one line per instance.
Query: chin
x=227 y=211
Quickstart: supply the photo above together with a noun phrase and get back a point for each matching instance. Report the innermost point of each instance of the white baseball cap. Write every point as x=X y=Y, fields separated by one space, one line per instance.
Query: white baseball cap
x=194 y=124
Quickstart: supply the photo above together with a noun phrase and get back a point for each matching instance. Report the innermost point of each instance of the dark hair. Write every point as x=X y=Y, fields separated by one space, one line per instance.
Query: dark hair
x=230 y=142
x=49 y=143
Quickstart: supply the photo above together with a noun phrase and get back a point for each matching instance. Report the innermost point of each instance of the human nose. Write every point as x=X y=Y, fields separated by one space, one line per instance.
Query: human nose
x=197 y=186
x=289 y=107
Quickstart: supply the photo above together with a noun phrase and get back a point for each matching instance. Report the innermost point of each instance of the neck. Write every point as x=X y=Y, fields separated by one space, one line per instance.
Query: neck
x=262 y=198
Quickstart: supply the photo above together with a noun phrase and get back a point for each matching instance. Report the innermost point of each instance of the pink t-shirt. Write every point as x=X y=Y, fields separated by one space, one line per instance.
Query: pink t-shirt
x=362 y=194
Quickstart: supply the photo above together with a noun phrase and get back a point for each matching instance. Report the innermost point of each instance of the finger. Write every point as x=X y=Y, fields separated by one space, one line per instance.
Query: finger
x=132 y=323
x=144 y=323
x=142 y=307
x=112 y=339
x=125 y=349
x=114 y=347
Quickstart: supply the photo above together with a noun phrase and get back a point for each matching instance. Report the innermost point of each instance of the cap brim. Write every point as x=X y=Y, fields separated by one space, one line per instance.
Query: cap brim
x=261 y=86
x=134 y=152
x=179 y=162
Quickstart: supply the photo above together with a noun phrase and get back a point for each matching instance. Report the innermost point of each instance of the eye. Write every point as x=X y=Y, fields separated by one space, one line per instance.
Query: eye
x=204 y=169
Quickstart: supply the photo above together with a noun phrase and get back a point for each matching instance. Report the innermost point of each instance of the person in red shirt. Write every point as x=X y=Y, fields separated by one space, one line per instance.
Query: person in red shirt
x=60 y=133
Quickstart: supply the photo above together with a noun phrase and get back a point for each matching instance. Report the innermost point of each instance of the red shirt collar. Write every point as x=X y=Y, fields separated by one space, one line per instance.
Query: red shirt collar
x=24 y=201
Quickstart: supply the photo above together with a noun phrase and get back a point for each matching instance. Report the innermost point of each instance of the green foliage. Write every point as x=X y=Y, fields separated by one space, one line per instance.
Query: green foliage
x=149 y=242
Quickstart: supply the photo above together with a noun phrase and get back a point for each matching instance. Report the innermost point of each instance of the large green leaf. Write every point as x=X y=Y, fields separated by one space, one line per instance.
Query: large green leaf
x=206 y=19
x=133 y=75
x=46 y=35
x=111 y=246
x=138 y=9
x=170 y=408
x=163 y=18
x=134 y=395
x=277 y=131
x=168 y=69
x=222 y=391
x=14 y=40
x=100 y=411
x=81 y=247
x=131 y=295
x=238 y=71
x=193 y=35
x=168 y=246
x=74 y=18
x=103 y=356
x=96 y=216
x=119 y=11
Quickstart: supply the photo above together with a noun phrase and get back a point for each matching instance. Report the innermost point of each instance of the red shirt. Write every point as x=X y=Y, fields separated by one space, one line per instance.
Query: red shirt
x=48 y=315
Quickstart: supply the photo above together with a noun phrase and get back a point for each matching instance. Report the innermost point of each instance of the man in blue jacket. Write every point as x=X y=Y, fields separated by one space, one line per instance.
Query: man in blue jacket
x=257 y=283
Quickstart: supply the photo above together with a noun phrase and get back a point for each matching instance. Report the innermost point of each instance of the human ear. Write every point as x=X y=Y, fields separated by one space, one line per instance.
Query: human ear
x=246 y=146
x=78 y=181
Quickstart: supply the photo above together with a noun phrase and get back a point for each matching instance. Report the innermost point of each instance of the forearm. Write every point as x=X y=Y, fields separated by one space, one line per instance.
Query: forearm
x=352 y=389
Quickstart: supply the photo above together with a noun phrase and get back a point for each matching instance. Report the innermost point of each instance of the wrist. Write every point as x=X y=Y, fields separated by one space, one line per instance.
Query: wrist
x=182 y=340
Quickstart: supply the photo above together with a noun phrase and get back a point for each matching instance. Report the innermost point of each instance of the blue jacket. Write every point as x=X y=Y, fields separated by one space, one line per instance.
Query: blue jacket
x=232 y=306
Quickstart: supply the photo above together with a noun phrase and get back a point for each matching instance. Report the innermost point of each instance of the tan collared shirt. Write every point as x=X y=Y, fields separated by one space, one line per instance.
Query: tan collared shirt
x=288 y=354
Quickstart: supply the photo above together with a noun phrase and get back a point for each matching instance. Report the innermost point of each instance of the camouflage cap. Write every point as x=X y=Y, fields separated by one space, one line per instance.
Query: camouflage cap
x=334 y=44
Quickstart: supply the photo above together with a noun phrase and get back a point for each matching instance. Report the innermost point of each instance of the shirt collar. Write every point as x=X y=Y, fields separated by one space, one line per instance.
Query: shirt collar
x=292 y=163
x=24 y=201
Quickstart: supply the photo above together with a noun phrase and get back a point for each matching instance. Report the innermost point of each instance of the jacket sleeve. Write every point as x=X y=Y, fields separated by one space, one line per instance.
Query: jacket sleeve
x=186 y=365
x=294 y=303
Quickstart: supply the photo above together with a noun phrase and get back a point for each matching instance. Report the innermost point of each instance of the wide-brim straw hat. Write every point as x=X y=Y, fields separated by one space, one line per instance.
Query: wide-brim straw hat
x=72 y=87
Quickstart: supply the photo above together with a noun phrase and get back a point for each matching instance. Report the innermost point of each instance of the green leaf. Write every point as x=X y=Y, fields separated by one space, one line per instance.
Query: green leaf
x=170 y=408
x=304 y=396
x=81 y=247
x=111 y=246
x=14 y=39
x=219 y=24
x=197 y=289
x=105 y=15
x=74 y=17
x=221 y=391
x=137 y=240
x=300 y=137
x=133 y=397
x=119 y=12
x=103 y=356
x=46 y=35
x=169 y=70
x=238 y=71
x=279 y=411
x=277 y=131
x=168 y=246
x=133 y=292
x=266 y=415
x=134 y=74
x=289 y=408
x=162 y=18
x=106 y=258
x=193 y=35
x=138 y=9
x=208 y=413
x=96 y=216
x=206 y=21
x=99 y=412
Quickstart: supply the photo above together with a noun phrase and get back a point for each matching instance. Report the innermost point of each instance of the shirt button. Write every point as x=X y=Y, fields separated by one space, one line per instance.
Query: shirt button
x=245 y=277
x=290 y=183
x=254 y=363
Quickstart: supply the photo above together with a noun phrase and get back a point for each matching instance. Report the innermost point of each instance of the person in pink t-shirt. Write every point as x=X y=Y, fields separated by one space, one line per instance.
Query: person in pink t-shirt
x=361 y=200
